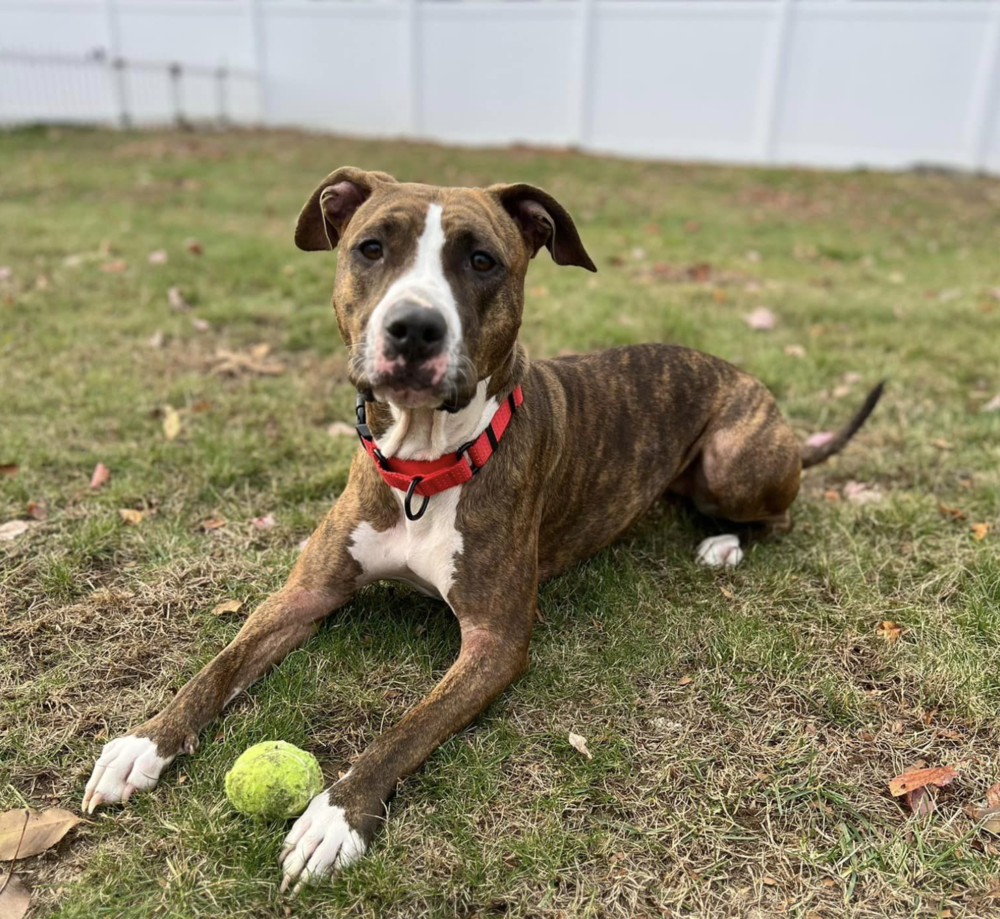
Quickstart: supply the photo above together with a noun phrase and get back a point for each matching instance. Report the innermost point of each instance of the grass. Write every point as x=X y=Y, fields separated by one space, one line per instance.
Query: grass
x=743 y=724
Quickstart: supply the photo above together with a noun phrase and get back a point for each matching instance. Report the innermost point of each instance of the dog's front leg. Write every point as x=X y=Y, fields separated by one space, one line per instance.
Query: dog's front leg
x=322 y=580
x=339 y=823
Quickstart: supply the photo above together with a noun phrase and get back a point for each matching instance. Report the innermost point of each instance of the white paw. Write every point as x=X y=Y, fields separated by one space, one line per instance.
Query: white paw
x=720 y=551
x=321 y=841
x=126 y=764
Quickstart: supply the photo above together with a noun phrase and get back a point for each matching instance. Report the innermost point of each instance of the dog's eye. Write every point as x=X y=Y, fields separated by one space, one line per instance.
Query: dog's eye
x=371 y=250
x=482 y=262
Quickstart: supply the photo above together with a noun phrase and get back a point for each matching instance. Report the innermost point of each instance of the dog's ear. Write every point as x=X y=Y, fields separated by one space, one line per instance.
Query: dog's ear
x=543 y=221
x=333 y=204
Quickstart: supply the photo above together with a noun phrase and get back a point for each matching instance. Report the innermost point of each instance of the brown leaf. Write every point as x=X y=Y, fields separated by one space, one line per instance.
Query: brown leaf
x=43 y=830
x=889 y=630
x=213 y=523
x=14 y=898
x=993 y=795
x=769 y=881
x=979 y=530
x=171 y=422
x=130 y=517
x=9 y=468
x=200 y=325
x=264 y=523
x=953 y=512
x=116 y=266
x=101 y=476
x=12 y=529
x=920 y=801
x=991 y=816
x=157 y=257
x=918 y=778
x=193 y=246
x=684 y=680
x=831 y=495
x=795 y=351
x=37 y=510
x=579 y=743
x=227 y=606
x=176 y=299
x=233 y=363
x=942 y=444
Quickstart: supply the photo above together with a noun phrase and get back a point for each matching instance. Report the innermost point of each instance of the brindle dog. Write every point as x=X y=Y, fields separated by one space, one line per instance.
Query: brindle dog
x=428 y=297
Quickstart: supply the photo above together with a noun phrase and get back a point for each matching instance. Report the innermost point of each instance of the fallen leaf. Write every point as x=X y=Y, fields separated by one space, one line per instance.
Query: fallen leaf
x=171 y=422
x=130 y=517
x=990 y=815
x=859 y=493
x=993 y=795
x=42 y=831
x=156 y=339
x=9 y=469
x=116 y=266
x=918 y=778
x=213 y=523
x=727 y=593
x=200 y=325
x=176 y=299
x=768 y=880
x=761 y=319
x=795 y=351
x=37 y=510
x=340 y=429
x=579 y=743
x=820 y=438
x=14 y=898
x=252 y=360
x=12 y=529
x=193 y=246
x=158 y=257
x=101 y=476
x=851 y=377
x=831 y=495
x=684 y=680
x=993 y=405
x=941 y=444
x=889 y=630
x=227 y=606
x=953 y=512
x=920 y=801
x=264 y=523
x=979 y=530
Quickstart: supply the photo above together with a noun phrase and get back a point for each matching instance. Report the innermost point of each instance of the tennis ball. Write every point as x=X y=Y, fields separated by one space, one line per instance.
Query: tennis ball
x=273 y=779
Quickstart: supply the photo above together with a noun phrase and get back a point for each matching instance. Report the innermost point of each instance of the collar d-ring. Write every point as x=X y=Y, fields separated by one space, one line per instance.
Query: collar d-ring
x=409 y=497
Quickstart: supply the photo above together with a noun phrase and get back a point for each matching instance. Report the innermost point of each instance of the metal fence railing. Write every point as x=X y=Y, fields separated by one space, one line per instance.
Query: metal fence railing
x=98 y=88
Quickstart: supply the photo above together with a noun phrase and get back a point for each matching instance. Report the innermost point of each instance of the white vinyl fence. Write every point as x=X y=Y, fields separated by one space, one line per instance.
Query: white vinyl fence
x=842 y=83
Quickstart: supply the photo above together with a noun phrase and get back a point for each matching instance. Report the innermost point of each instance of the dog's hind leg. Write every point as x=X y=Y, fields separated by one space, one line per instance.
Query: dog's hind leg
x=747 y=473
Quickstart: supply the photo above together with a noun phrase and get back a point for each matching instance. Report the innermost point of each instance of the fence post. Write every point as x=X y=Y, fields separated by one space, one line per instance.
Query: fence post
x=772 y=84
x=985 y=98
x=221 y=96
x=583 y=90
x=256 y=16
x=413 y=64
x=116 y=62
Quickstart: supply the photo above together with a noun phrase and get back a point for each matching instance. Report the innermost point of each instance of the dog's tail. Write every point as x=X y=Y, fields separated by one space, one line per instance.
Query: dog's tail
x=814 y=455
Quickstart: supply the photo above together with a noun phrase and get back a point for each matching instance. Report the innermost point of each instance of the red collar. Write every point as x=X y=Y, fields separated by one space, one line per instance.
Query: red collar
x=428 y=477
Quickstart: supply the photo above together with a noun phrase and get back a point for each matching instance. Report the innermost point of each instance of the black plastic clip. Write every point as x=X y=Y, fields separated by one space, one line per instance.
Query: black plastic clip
x=409 y=496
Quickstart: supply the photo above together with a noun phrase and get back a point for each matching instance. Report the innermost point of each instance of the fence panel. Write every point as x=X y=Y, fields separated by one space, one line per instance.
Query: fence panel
x=820 y=82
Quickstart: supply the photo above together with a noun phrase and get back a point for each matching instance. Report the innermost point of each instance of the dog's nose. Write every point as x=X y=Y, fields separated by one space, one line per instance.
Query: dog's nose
x=415 y=332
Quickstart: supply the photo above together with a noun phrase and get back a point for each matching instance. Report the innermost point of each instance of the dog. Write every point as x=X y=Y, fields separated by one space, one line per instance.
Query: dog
x=478 y=474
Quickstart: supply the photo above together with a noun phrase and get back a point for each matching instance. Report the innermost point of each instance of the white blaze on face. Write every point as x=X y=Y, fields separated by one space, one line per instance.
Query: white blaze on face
x=423 y=282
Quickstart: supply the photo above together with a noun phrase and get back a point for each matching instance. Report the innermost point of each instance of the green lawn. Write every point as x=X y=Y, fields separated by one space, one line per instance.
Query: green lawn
x=743 y=724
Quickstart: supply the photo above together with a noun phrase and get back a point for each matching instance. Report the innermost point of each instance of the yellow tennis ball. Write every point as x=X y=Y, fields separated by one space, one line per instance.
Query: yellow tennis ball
x=273 y=779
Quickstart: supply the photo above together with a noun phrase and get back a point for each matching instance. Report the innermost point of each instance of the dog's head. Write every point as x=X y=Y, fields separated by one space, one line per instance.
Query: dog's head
x=430 y=281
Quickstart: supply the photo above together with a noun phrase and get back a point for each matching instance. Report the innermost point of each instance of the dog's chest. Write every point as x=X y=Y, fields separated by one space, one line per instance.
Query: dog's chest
x=421 y=553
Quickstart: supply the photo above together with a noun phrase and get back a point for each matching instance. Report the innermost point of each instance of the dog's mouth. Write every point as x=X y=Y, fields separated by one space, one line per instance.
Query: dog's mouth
x=419 y=387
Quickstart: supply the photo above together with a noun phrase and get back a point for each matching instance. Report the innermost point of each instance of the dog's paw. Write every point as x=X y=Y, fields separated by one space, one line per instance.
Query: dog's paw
x=320 y=842
x=126 y=764
x=720 y=551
